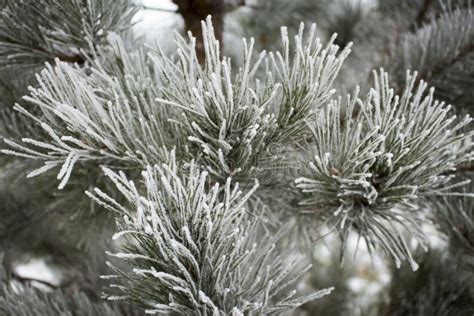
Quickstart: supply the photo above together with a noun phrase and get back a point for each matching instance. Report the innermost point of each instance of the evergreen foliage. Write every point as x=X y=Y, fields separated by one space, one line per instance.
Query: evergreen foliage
x=206 y=169
x=30 y=302
x=196 y=250
x=372 y=165
x=455 y=216
x=432 y=290
x=31 y=35
x=442 y=53
x=230 y=123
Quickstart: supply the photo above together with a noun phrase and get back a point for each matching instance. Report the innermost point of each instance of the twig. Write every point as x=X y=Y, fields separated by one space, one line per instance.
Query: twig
x=436 y=70
x=160 y=9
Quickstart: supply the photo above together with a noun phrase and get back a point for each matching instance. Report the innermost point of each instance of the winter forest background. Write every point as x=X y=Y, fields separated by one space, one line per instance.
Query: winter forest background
x=251 y=170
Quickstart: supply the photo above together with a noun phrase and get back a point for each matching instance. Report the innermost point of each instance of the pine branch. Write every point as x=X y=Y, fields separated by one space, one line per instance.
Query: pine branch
x=453 y=84
x=439 y=68
x=440 y=287
x=454 y=215
x=93 y=130
x=31 y=35
x=371 y=168
x=194 y=250
x=20 y=301
x=440 y=44
x=230 y=122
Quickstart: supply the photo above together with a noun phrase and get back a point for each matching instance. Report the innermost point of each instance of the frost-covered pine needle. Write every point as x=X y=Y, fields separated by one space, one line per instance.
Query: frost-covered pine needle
x=193 y=249
x=126 y=111
x=375 y=157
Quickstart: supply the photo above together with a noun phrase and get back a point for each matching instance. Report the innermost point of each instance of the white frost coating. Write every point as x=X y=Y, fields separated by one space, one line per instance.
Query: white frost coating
x=225 y=115
x=191 y=227
x=364 y=168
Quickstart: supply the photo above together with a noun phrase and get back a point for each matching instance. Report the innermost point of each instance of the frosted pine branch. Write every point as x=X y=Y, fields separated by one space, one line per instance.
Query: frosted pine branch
x=190 y=249
x=439 y=288
x=31 y=35
x=455 y=217
x=232 y=120
x=21 y=301
x=128 y=111
x=374 y=161
x=108 y=115
x=439 y=44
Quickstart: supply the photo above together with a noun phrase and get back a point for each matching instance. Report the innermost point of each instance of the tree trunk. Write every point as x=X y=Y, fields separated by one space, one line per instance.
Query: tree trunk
x=195 y=11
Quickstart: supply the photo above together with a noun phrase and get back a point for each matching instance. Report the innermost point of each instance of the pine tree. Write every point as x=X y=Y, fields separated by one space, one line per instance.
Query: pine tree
x=194 y=183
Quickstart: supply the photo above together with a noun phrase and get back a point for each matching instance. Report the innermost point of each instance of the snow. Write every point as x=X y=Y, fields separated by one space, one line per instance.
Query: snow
x=38 y=269
x=157 y=21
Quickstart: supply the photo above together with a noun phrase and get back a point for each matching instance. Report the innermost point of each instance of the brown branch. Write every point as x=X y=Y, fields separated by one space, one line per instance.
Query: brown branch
x=195 y=11
x=73 y=59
